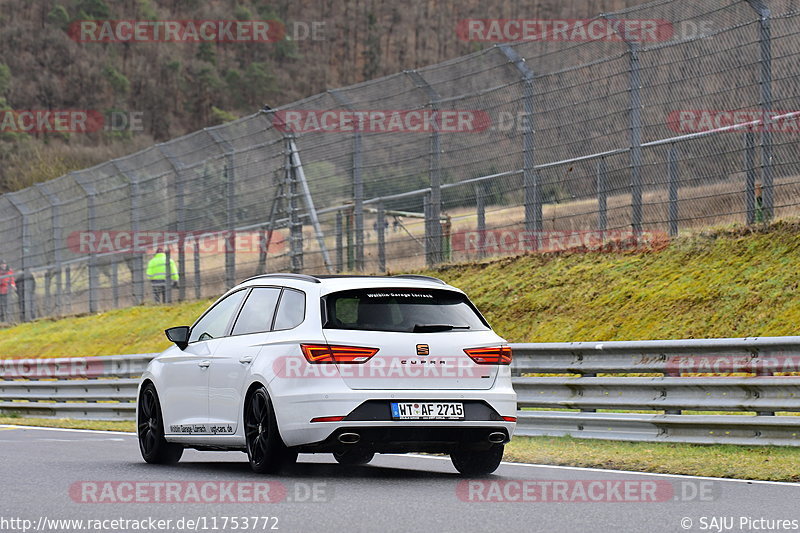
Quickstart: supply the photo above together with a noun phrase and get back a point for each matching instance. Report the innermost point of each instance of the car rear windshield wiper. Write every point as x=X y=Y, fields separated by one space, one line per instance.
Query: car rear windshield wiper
x=430 y=328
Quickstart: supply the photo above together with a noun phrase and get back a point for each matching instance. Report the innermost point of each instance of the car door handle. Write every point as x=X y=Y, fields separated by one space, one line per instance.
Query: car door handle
x=245 y=360
x=204 y=364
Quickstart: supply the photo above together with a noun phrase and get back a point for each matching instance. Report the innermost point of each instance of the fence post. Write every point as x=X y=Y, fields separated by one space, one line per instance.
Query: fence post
x=530 y=176
x=137 y=266
x=197 y=275
x=358 y=184
x=765 y=81
x=602 y=196
x=339 y=250
x=90 y=192
x=55 y=220
x=167 y=274
x=381 y=222
x=230 y=222
x=433 y=235
x=635 y=124
x=480 y=203
x=68 y=287
x=750 y=176
x=636 y=139
x=295 y=225
x=178 y=169
x=672 y=164
x=136 y=261
x=24 y=288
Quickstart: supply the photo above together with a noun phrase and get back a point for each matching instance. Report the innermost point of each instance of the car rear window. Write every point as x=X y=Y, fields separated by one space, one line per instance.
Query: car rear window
x=401 y=310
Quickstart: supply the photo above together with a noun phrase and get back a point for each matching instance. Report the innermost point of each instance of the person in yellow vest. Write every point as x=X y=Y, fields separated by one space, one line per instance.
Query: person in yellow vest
x=157 y=274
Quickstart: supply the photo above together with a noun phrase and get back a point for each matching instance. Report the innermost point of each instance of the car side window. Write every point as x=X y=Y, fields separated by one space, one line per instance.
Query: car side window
x=215 y=322
x=257 y=311
x=291 y=310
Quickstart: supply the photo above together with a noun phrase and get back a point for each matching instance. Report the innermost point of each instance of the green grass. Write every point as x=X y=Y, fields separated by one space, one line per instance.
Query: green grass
x=133 y=330
x=109 y=425
x=723 y=284
x=771 y=463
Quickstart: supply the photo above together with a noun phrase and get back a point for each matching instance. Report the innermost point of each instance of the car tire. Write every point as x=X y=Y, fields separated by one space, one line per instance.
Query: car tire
x=150 y=428
x=354 y=457
x=265 y=449
x=477 y=462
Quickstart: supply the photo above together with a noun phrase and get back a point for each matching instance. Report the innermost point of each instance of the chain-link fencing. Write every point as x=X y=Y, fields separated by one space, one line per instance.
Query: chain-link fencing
x=622 y=130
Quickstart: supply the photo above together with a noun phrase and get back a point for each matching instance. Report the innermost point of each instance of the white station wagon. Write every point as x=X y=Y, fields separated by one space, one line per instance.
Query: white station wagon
x=350 y=365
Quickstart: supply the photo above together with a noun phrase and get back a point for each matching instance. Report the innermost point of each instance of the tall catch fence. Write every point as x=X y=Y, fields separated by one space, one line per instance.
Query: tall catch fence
x=576 y=140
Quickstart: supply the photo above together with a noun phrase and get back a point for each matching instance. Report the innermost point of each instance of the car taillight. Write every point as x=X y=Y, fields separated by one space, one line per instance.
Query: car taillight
x=325 y=353
x=496 y=355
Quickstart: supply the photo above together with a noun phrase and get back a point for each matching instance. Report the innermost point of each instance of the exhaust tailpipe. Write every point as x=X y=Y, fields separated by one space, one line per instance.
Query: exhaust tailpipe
x=349 y=438
x=497 y=437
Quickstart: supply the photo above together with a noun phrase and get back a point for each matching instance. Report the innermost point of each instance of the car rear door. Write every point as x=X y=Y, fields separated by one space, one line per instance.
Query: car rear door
x=232 y=360
x=185 y=374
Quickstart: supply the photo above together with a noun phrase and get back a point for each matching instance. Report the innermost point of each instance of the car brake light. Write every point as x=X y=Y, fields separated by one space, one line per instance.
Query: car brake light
x=510 y=418
x=328 y=419
x=496 y=355
x=325 y=353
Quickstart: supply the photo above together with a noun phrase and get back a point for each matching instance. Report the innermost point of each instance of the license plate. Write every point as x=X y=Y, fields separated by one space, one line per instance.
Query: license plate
x=427 y=411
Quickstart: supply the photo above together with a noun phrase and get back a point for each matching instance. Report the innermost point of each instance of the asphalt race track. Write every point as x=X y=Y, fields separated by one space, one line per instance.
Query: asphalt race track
x=99 y=477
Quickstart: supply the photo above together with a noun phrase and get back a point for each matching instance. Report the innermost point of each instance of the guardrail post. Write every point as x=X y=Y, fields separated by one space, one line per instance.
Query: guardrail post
x=750 y=176
x=358 y=183
x=338 y=236
x=765 y=81
x=602 y=196
x=530 y=176
x=480 y=203
x=381 y=223
x=672 y=170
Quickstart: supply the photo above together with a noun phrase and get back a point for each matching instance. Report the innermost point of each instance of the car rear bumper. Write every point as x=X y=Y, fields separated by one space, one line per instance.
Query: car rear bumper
x=404 y=438
x=484 y=413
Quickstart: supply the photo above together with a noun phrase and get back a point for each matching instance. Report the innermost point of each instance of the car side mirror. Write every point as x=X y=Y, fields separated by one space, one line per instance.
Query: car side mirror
x=179 y=335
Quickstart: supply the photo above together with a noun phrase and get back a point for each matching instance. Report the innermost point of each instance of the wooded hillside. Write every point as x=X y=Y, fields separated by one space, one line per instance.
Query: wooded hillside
x=177 y=88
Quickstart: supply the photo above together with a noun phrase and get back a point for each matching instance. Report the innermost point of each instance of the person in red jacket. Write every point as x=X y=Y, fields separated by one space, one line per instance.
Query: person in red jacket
x=6 y=283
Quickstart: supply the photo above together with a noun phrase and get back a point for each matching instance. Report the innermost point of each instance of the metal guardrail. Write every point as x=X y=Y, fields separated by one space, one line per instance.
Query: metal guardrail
x=97 y=388
x=668 y=378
